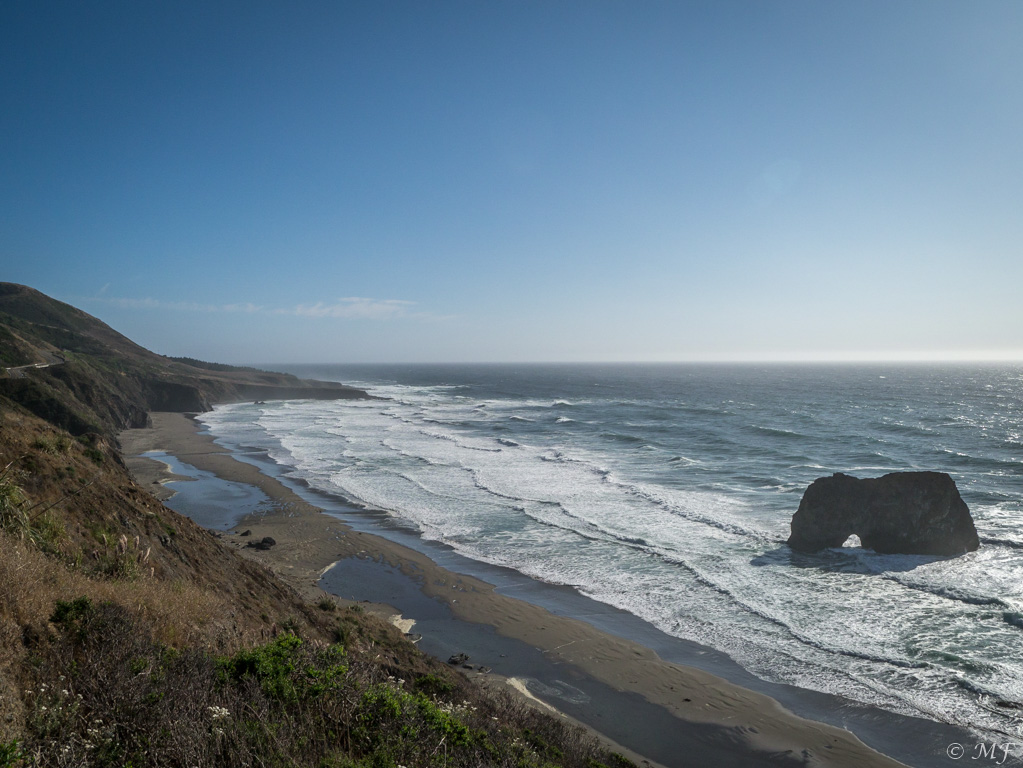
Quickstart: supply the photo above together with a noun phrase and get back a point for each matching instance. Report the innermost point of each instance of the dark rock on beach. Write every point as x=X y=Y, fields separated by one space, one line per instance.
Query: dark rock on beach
x=264 y=543
x=911 y=513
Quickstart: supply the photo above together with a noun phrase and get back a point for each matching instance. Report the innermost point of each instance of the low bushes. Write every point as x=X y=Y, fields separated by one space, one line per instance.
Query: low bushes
x=104 y=692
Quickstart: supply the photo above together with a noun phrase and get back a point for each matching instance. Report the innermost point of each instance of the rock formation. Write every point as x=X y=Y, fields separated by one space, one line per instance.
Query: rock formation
x=912 y=513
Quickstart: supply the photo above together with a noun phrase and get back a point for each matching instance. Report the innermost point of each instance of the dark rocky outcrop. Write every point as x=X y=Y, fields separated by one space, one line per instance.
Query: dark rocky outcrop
x=913 y=513
x=163 y=395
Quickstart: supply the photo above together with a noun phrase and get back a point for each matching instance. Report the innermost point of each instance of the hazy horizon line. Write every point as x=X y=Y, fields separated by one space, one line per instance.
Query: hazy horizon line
x=735 y=361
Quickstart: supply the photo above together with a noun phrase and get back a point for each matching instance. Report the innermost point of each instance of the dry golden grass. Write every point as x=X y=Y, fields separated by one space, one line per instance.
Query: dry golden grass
x=179 y=614
x=30 y=584
x=83 y=508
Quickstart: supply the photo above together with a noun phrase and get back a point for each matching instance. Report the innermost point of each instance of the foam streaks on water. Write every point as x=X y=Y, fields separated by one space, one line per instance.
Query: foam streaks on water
x=667 y=491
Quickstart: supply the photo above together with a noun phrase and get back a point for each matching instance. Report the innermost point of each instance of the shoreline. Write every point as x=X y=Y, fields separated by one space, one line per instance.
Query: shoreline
x=704 y=713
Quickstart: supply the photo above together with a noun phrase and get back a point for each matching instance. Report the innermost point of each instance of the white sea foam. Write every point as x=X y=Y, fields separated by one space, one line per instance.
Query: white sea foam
x=695 y=547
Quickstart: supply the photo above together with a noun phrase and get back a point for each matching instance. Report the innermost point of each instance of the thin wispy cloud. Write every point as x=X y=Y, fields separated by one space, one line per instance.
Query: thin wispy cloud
x=352 y=308
x=247 y=307
x=178 y=306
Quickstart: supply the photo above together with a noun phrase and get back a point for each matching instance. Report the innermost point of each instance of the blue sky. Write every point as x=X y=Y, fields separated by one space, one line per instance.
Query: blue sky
x=521 y=181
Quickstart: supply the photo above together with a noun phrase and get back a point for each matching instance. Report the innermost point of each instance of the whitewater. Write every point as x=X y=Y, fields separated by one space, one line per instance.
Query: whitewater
x=667 y=491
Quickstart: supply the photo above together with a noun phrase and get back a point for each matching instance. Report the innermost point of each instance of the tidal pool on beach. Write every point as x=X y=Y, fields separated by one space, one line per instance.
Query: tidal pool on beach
x=210 y=501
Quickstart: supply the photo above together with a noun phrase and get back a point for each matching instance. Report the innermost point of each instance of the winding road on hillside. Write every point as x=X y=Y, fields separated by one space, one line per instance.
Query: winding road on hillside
x=18 y=371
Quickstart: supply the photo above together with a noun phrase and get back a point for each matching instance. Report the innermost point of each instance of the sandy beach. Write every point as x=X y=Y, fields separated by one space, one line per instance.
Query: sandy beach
x=705 y=719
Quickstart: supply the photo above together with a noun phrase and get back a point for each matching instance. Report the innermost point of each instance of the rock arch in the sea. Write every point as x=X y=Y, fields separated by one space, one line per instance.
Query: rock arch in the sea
x=912 y=513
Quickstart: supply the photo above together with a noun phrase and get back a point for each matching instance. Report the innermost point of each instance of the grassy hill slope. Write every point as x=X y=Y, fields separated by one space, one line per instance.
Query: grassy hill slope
x=129 y=636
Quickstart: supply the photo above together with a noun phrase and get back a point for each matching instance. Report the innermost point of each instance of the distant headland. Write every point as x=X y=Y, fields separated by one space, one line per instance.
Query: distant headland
x=76 y=372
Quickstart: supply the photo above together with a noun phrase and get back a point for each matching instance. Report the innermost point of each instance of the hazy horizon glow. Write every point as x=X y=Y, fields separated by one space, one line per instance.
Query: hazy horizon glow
x=521 y=181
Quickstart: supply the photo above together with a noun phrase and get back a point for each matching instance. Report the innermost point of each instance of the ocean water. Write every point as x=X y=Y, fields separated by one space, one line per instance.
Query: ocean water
x=667 y=491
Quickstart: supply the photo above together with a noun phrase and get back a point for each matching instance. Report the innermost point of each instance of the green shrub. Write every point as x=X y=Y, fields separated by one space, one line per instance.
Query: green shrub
x=432 y=685
x=271 y=665
x=52 y=444
x=326 y=604
x=388 y=709
x=67 y=612
x=282 y=672
x=541 y=745
x=11 y=754
x=615 y=760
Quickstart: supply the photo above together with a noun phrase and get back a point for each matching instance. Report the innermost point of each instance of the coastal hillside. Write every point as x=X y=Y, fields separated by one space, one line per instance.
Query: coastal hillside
x=131 y=636
x=76 y=372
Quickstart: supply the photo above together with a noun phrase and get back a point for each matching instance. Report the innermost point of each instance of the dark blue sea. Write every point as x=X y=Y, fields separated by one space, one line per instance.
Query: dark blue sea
x=667 y=491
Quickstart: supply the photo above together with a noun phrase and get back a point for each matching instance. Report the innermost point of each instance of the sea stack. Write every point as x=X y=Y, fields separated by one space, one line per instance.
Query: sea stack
x=909 y=513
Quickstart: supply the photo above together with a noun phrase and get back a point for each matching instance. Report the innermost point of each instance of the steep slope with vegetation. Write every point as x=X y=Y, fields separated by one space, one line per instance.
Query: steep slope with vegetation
x=129 y=636
x=78 y=373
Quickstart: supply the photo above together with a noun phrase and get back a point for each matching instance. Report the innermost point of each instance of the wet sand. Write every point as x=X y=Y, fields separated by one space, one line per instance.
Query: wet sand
x=670 y=713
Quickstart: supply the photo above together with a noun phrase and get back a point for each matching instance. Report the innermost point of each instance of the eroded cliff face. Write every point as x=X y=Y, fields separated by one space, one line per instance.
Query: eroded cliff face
x=913 y=513
x=175 y=396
